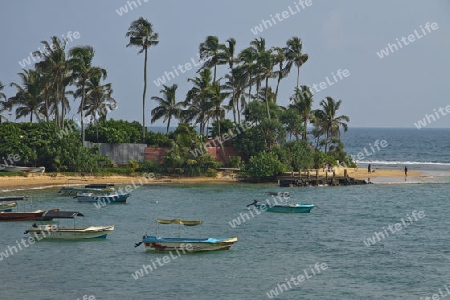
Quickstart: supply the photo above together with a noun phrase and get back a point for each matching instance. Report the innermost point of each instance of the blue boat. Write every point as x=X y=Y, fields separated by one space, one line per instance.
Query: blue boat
x=156 y=243
x=105 y=198
x=284 y=207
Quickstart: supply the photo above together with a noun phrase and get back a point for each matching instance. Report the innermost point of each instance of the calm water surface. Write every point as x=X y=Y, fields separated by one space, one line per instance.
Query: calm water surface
x=413 y=262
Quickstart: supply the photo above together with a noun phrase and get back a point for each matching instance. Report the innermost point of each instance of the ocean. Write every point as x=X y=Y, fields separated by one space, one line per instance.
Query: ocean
x=380 y=241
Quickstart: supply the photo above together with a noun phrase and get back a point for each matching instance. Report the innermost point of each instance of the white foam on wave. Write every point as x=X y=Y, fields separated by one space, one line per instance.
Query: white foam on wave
x=385 y=162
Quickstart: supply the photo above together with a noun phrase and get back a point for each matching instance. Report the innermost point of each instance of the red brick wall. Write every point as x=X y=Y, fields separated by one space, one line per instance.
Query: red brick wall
x=158 y=153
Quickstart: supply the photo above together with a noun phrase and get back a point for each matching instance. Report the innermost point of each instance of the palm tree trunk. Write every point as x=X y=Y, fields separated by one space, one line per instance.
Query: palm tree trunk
x=267 y=100
x=143 y=97
x=83 y=95
x=298 y=75
x=168 y=125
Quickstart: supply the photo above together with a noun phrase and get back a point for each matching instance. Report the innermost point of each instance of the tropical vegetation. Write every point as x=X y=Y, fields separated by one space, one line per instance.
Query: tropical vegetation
x=244 y=84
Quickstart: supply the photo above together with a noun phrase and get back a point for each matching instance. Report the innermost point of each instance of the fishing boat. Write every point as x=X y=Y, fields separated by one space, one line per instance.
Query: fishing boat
x=104 y=198
x=55 y=231
x=156 y=243
x=89 y=188
x=7 y=206
x=283 y=207
x=37 y=215
x=280 y=194
x=24 y=169
x=9 y=202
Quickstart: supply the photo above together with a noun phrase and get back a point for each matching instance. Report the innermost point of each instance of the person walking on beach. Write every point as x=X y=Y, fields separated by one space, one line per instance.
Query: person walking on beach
x=369 y=168
x=406 y=171
x=356 y=166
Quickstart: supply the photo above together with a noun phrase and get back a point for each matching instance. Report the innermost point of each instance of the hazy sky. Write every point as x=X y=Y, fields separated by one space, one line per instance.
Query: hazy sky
x=394 y=91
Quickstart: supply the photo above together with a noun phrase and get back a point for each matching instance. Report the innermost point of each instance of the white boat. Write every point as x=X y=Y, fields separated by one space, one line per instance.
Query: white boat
x=53 y=231
x=7 y=206
x=24 y=169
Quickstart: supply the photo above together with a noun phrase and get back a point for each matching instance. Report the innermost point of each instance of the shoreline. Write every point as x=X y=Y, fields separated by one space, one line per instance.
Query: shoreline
x=37 y=181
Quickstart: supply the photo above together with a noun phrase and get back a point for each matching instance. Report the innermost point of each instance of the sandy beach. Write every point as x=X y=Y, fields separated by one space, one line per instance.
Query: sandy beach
x=47 y=180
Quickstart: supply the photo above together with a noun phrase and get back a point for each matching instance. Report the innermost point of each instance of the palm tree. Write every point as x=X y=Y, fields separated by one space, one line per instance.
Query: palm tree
x=283 y=71
x=237 y=82
x=83 y=71
x=294 y=55
x=168 y=107
x=217 y=111
x=198 y=100
x=266 y=63
x=227 y=56
x=98 y=99
x=29 y=96
x=3 y=103
x=57 y=69
x=328 y=122
x=258 y=47
x=210 y=51
x=248 y=58
x=302 y=101
x=141 y=35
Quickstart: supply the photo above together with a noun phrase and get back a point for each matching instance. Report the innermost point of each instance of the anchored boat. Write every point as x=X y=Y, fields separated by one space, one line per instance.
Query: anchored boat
x=157 y=243
x=284 y=207
x=68 y=232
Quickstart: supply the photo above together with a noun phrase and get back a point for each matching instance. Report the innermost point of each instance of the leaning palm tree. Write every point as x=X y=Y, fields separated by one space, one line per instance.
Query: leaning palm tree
x=302 y=101
x=168 y=106
x=141 y=35
x=327 y=120
x=294 y=55
x=29 y=95
x=98 y=99
x=83 y=71
x=283 y=70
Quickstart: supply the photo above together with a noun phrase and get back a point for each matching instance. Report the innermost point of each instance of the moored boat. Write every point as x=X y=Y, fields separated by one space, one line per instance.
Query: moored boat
x=38 y=215
x=103 y=198
x=89 y=188
x=24 y=169
x=283 y=207
x=68 y=232
x=7 y=206
x=156 y=243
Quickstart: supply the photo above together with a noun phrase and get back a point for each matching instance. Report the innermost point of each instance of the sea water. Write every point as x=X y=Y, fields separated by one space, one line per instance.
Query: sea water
x=371 y=238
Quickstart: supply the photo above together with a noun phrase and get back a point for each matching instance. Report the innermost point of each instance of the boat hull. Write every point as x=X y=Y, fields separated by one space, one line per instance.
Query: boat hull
x=73 y=191
x=7 y=206
x=24 y=169
x=295 y=208
x=38 y=215
x=153 y=243
x=69 y=233
x=116 y=198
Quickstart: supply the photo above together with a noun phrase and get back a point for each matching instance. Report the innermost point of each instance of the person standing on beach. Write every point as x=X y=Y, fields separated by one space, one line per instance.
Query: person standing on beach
x=406 y=171
x=356 y=166
x=369 y=168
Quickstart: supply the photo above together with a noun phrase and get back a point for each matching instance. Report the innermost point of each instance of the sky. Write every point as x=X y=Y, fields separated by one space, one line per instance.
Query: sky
x=395 y=90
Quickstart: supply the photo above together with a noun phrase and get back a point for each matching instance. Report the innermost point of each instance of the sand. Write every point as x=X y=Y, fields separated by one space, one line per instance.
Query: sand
x=49 y=180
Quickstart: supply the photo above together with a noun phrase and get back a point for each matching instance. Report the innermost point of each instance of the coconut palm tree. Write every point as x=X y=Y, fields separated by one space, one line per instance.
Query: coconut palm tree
x=141 y=35
x=198 y=100
x=3 y=103
x=294 y=55
x=227 y=52
x=258 y=47
x=98 y=99
x=168 y=106
x=328 y=122
x=82 y=72
x=28 y=97
x=237 y=82
x=248 y=58
x=57 y=69
x=210 y=50
x=283 y=71
x=217 y=110
x=302 y=101
x=266 y=63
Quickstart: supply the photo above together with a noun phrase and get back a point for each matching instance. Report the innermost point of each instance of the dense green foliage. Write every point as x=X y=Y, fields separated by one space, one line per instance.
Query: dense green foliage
x=44 y=144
